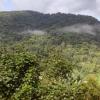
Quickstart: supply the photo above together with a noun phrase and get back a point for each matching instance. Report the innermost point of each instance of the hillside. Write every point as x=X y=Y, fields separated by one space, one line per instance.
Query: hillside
x=16 y=25
x=18 y=21
x=45 y=67
x=49 y=56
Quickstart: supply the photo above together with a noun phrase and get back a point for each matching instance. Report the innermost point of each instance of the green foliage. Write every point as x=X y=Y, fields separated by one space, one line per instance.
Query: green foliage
x=17 y=67
x=47 y=68
x=16 y=25
x=17 y=21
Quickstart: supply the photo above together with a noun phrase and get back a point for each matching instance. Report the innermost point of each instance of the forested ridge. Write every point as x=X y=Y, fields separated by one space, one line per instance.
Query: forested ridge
x=17 y=21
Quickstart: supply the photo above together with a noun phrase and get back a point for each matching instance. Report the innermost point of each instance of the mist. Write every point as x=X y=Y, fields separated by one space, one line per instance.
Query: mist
x=81 y=28
x=33 y=32
x=77 y=28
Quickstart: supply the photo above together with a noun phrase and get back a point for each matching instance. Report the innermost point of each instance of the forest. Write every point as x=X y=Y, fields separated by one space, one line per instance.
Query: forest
x=50 y=67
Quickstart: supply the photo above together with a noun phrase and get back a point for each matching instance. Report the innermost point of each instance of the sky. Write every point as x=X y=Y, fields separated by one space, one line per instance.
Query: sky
x=86 y=7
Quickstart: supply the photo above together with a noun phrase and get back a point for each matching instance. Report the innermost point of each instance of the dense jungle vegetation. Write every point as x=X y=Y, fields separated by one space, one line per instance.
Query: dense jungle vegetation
x=50 y=67
x=51 y=64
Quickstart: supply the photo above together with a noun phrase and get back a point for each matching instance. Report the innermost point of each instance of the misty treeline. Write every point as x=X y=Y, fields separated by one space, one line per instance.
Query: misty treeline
x=50 y=67
x=19 y=21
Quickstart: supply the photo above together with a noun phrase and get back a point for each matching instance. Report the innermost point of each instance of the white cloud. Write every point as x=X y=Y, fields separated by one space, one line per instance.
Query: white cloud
x=38 y=5
x=1 y=5
x=90 y=7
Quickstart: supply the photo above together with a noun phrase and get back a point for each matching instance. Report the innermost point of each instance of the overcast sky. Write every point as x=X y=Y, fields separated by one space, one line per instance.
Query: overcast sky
x=87 y=7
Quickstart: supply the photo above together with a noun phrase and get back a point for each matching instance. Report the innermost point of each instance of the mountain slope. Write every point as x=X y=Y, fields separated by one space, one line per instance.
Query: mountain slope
x=17 y=21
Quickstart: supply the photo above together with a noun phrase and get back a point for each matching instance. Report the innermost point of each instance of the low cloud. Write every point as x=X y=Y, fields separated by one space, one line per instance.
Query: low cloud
x=81 y=28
